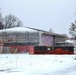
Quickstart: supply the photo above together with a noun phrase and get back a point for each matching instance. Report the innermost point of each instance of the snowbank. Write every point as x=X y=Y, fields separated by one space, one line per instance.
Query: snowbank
x=24 y=64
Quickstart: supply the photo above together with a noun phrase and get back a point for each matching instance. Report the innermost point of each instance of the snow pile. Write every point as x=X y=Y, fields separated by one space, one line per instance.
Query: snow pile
x=24 y=64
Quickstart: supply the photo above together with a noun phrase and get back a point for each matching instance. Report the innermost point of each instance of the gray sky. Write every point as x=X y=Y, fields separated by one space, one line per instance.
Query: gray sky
x=42 y=14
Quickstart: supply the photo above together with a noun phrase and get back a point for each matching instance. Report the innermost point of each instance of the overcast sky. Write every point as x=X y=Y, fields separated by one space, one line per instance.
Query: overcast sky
x=42 y=14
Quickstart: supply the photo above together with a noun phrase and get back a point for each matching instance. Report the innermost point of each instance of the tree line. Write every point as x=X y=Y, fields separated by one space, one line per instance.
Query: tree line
x=9 y=21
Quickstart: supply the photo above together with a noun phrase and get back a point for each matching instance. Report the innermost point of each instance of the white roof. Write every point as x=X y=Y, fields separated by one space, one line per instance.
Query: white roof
x=18 y=29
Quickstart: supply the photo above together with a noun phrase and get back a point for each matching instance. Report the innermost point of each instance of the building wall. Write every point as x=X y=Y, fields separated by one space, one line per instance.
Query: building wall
x=59 y=39
x=47 y=40
x=31 y=37
x=27 y=37
x=18 y=37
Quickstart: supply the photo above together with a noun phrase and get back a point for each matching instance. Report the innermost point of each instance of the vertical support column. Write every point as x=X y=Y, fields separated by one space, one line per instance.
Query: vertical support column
x=3 y=43
x=40 y=38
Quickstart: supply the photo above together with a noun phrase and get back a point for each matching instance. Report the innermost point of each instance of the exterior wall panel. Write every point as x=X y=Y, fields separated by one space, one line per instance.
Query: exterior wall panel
x=59 y=39
x=47 y=40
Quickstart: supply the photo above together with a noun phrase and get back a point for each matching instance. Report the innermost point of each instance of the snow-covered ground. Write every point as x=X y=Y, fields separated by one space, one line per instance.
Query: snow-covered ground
x=25 y=64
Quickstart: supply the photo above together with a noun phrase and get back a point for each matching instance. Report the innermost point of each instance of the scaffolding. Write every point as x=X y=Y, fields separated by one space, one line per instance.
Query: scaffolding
x=18 y=39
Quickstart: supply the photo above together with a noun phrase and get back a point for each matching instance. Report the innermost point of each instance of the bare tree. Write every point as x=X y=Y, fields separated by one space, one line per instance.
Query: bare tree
x=1 y=20
x=72 y=29
x=12 y=21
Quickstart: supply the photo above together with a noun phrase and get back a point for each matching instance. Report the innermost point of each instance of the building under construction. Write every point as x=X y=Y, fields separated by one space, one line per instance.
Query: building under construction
x=22 y=39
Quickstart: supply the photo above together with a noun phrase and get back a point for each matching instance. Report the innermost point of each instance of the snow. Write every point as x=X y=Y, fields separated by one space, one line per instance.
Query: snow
x=69 y=41
x=18 y=29
x=25 y=64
